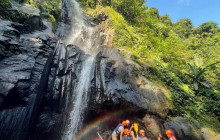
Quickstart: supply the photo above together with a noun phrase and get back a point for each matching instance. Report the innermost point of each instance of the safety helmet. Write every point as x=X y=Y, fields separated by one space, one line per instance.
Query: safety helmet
x=124 y=123
x=169 y=133
x=125 y=131
x=141 y=131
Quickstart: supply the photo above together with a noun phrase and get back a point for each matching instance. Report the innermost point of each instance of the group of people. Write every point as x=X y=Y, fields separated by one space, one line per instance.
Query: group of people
x=122 y=132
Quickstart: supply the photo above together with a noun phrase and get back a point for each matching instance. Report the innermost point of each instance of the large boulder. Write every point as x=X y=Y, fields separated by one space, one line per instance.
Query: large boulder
x=184 y=130
x=217 y=137
x=208 y=134
x=154 y=126
x=152 y=97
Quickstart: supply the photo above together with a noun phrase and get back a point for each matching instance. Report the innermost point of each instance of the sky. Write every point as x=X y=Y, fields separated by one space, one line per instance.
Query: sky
x=198 y=11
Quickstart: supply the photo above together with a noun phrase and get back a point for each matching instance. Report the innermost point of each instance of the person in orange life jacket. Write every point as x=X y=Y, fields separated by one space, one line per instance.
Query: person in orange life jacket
x=170 y=135
x=118 y=131
x=142 y=135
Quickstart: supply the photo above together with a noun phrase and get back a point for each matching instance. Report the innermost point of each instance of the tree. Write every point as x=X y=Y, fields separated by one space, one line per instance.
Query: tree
x=165 y=19
x=153 y=13
x=207 y=29
x=183 y=27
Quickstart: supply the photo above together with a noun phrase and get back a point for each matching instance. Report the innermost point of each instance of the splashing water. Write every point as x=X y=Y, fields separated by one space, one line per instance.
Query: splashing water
x=80 y=35
x=80 y=101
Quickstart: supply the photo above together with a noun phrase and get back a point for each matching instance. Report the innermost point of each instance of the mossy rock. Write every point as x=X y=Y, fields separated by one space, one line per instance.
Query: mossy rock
x=7 y=50
x=20 y=1
x=33 y=23
x=4 y=6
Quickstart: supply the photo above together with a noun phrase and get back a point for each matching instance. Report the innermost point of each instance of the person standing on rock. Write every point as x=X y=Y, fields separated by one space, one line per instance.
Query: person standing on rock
x=118 y=131
x=170 y=135
x=142 y=135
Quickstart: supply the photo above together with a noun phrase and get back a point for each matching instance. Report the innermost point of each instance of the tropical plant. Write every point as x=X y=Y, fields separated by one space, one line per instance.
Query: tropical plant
x=197 y=71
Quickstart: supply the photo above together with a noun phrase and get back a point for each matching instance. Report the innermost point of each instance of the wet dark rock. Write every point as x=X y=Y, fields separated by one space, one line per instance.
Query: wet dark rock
x=57 y=100
x=184 y=130
x=8 y=39
x=16 y=68
x=32 y=24
x=97 y=20
x=20 y=96
x=5 y=88
x=25 y=8
x=108 y=89
x=153 y=126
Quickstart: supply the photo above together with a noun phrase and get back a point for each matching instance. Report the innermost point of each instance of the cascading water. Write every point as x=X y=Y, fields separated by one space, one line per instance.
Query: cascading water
x=80 y=35
x=80 y=100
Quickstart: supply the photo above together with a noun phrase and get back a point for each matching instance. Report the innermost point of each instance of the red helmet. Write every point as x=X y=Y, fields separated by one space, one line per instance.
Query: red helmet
x=169 y=133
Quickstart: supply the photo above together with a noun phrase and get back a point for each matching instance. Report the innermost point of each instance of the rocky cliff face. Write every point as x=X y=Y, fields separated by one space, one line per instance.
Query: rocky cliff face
x=38 y=87
x=21 y=95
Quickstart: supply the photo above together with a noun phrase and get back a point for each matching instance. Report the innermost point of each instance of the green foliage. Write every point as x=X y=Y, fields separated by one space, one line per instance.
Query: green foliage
x=183 y=27
x=165 y=19
x=4 y=6
x=164 y=50
x=90 y=3
x=5 y=13
x=153 y=13
x=9 y=50
x=208 y=27
x=197 y=71
x=132 y=11
x=50 y=10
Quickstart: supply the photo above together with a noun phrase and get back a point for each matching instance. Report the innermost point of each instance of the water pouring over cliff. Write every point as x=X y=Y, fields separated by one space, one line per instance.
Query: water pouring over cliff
x=81 y=36
x=81 y=33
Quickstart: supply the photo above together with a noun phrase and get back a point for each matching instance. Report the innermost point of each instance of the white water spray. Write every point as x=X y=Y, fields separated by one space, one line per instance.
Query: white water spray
x=80 y=35
x=80 y=100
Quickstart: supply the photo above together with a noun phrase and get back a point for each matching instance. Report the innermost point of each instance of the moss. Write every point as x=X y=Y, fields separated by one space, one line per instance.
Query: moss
x=51 y=11
x=207 y=121
x=4 y=9
x=9 y=50
x=53 y=21
x=19 y=17
x=136 y=71
x=31 y=2
x=15 y=16
x=11 y=32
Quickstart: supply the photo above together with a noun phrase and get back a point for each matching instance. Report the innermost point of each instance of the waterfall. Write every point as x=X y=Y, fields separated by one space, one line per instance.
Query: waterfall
x=80 y=35
x=80 y=100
